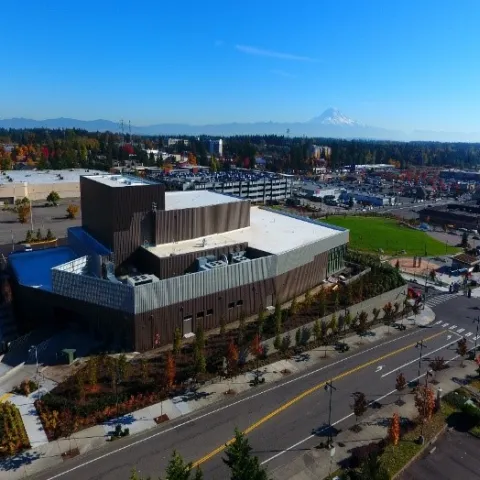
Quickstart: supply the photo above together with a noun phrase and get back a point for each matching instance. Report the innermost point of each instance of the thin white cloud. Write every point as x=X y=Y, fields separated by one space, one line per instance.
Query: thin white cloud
x=282 y=73
x=270 y=53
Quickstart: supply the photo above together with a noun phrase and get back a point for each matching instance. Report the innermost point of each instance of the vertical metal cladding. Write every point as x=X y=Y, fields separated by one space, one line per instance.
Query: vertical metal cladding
x=93 y=290
x=180 y=289
x=188 y=223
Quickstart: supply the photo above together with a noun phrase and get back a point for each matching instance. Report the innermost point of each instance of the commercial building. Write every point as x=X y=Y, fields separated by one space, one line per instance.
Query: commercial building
x=215 y=147
x=453 y=215
x=145 y=262
x=37 y=184
x=258 y=187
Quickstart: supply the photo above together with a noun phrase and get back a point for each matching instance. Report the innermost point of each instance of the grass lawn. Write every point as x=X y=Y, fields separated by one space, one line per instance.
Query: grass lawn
x=369 y=234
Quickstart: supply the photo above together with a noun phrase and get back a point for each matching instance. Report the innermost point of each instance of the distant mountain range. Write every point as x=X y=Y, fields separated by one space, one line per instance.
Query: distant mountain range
x=330 y=124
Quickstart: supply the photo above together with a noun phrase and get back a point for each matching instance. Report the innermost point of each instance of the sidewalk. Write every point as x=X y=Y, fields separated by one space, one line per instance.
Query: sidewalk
x=46 y=455
x=317 y=464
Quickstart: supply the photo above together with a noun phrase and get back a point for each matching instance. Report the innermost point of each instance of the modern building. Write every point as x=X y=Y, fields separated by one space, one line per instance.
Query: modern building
x=37 y=184
x=145 y=262
x=258 y=187
x=174 y=141
x=215 y=147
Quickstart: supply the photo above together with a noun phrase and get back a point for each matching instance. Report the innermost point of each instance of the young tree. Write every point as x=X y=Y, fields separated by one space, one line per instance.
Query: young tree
x=200 y=338
x=49 y=235
x=92 y=371
x=232 y=356
x=170 y=371
x=396 y=308
x=322 y=302
x=462 y=349
x=53 y=197
x=177 y=469
x=277 y=342
x=278 y=317
x=39 y=236
x=23 y=211
x=72 y=211
x=372 y=469
x=425 y=402
x=437 y=364
x=394 y=430
x=317 y=330
x=362 y=326
x=256 y=347
x=432 y=275
x=400 y=383
x=239 y=459
x=307 y=298
x=397 y=265
x=144 y=370
x=285 y=344
x=332 y=325
x=200 y=361
x=298 y=337
x=375 y=313
x=293 y=307
x=177 y=341
x=222 y=326
x=360 y=405
x=261 y=320
x=388 y=311
x=347 y=321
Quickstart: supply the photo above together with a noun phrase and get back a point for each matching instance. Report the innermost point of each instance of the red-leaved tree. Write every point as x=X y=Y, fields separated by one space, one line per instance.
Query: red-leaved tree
x=170 y=371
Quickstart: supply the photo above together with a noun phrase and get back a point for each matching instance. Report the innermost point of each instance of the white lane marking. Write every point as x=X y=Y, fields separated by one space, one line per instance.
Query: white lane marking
x=453 y=327
x=379 y=368
x=416 y=359
x=438 y=323
x=225 y=407
x=445 y=325
x=279 y=454
x=460 y=330
x=468 y=334
x=476 y=337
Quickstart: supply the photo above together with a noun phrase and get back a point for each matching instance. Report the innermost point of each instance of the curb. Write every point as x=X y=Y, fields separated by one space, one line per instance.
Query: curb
x=421 y=452
x=12 y=371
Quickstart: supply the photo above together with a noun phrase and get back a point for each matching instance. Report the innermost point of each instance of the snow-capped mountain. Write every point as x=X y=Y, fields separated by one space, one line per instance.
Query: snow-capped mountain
x=332 y=116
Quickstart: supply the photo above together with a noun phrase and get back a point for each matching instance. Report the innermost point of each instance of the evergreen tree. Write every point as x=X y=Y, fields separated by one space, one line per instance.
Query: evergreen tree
x=242 y=465
x=177 y=469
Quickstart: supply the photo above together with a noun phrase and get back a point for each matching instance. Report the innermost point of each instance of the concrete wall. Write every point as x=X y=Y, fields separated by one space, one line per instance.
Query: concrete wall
x=396 y=295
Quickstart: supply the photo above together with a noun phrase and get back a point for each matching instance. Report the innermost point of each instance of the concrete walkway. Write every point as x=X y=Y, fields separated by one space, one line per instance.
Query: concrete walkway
x=47 y=454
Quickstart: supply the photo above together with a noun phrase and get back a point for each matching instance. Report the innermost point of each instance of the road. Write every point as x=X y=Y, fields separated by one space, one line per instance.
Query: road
x=279 y=419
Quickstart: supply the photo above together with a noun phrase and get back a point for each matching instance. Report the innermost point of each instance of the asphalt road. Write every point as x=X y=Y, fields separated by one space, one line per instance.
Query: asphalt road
x=455 y=457
x=279 y=419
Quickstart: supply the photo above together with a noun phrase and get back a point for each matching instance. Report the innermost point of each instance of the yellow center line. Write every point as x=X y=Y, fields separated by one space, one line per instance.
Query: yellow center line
x=306 y=393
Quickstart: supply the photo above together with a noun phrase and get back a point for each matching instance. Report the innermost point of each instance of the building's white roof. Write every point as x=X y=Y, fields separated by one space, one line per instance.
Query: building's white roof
x=118 y=180
x=46 y=176
x=195 y=199
x=268 y=231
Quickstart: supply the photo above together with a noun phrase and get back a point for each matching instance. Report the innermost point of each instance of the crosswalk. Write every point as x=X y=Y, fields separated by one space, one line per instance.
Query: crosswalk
x=457 y=329
x=441 y=298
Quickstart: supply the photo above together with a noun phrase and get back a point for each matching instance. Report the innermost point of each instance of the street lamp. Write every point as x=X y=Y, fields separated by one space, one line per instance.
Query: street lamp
x=477 y=321
x=32 y=349
x=420 y=345
x=330 y=388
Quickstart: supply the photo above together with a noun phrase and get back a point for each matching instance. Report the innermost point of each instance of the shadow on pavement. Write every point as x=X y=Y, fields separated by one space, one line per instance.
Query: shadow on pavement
x=18 y=461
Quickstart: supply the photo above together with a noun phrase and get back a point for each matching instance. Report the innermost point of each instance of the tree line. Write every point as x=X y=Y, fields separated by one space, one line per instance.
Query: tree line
x=71 y=148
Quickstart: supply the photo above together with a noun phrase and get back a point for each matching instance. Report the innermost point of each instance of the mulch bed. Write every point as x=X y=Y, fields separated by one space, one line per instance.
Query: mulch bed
x=70 y=454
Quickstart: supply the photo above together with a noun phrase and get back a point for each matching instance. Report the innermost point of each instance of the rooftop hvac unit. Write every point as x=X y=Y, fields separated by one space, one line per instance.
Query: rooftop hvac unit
x=138 y=280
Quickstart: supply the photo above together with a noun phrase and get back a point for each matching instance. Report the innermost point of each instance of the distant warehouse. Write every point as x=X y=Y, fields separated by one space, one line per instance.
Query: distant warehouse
x=37 y=184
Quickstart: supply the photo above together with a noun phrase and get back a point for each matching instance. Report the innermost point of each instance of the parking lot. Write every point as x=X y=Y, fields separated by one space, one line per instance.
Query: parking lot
x=455 y=457
x=53 y=218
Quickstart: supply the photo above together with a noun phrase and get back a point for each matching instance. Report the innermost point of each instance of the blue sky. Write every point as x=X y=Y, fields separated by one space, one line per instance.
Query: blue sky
x=413 y=64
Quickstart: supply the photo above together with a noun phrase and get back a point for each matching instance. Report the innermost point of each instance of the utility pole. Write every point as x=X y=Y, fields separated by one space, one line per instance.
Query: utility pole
x=330 y=388
x=477 y=321
x=421 y=345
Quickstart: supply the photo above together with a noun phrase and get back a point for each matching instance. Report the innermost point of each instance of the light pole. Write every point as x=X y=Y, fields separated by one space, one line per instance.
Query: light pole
x=420 y=345
x=33 y=348
x=329 y=388
x=477 y=321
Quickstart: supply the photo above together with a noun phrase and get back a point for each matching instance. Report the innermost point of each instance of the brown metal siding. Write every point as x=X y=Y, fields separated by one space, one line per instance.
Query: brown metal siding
x=176 y=265
x=120 y=217
x=188 y=223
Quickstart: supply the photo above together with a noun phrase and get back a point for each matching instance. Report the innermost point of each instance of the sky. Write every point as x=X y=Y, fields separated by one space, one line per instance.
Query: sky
x=406 y=65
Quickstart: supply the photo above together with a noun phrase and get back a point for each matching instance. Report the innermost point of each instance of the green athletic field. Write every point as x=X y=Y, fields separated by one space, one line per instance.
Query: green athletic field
x=372 y=233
